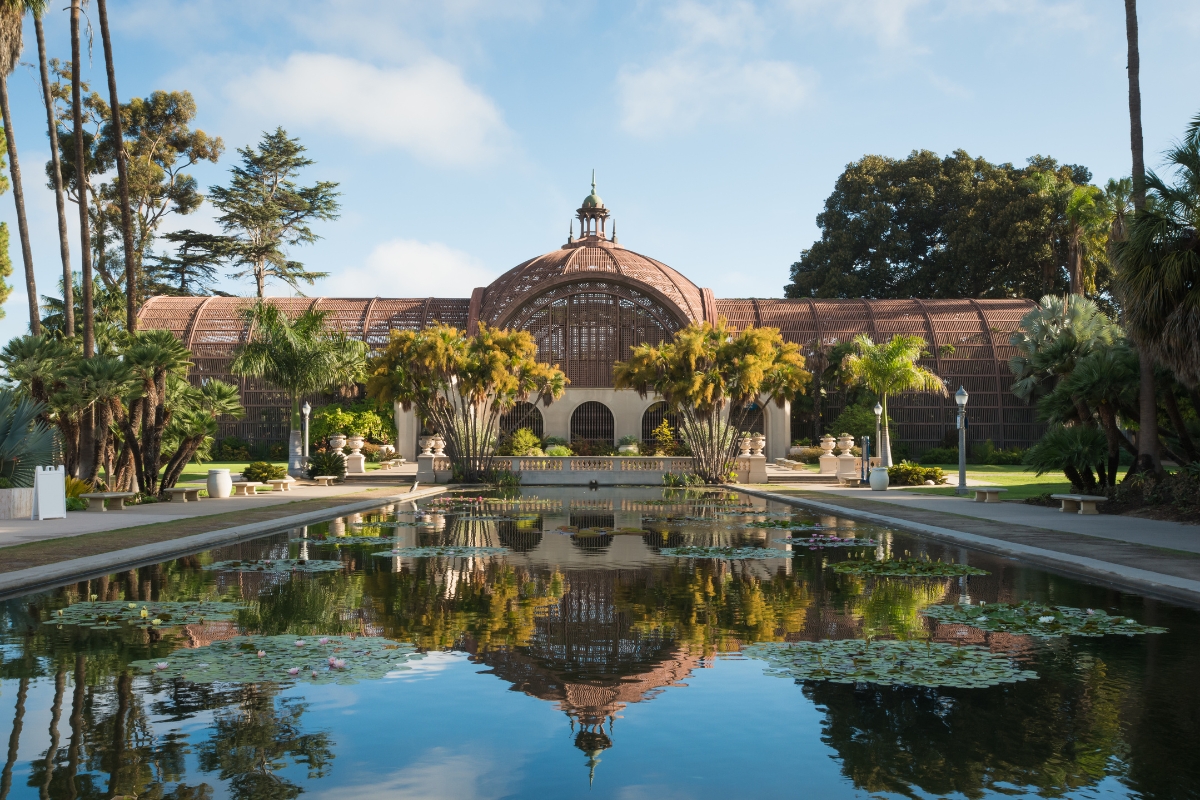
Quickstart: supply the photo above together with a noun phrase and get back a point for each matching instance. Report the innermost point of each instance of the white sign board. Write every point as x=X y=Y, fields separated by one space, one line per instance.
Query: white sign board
x=49 y=492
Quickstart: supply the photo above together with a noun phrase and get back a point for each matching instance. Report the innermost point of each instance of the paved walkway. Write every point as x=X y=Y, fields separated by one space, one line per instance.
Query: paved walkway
x=21 y=531
x=1149 y=556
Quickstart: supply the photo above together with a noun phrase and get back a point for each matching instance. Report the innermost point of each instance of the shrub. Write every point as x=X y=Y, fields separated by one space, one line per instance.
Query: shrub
x=858 y=421
x=629 y=440
x=5 y=483
x=906 y=473
x=808 y=455
x=231 y=448
x=1075 y=450
x=593 y=447
x=682 y=479
x=940 y=455
x=988 y=453
x=327 y=463
x=76 y=504
x=558 y=451
x=263 y=471
x=550 y=441
x=503 y=478
x=522 y=442
x=664 y=439
x=805 y=442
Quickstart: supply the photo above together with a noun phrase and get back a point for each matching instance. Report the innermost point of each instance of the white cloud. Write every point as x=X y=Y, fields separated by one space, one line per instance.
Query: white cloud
x=681 y=91
x=426 y=108
x=408 y=268
x=438 y=773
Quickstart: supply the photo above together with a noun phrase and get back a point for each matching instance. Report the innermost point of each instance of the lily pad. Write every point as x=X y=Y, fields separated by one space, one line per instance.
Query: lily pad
x=729 y=553
x=106 y=614
x=888 y=663
x=1038 y=620
x=817 y=542
x=253 y=659
x=907 y=568
x=281 y=565
x=443 y=551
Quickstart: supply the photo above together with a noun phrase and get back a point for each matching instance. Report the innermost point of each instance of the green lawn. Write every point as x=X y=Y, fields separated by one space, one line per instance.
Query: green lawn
x=1019 y=482
x=198 y=473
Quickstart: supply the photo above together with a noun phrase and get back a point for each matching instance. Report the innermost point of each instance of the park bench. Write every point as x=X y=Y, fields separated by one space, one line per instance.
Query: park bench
x=98 y=501
x=183 y=493
x=987 y=494
x=1078 y=503
x=246 y=488
x=281 y=484
x=324 y=480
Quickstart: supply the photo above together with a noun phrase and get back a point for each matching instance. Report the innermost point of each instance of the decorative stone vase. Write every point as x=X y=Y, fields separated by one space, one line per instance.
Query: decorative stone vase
x=220 y=484
x=879 y=479
x=439 y=445
x=386 y=450
x=356 y=443
x=827 y=445
x=757 y=443
x=426 y=443
x=845 y=442
x=744 y=445
x=337 y=441
x=628 y=450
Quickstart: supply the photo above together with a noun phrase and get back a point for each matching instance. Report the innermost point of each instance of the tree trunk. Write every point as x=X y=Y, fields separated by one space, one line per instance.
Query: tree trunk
x=131 y=265
x=76 y=726
x=60 y=684
x=1075 y=262
x=100 y=441
x=124 y=692
x=1108 y=422
x=885 y=444
x=179 y=460
x=14 y=169
x=1135 y=105
x=85 y=236
x=1148 y=460
x=1177 y=422
x=60 y=202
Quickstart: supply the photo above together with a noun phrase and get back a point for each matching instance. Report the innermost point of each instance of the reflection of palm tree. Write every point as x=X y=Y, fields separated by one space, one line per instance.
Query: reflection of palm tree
x=60 y=683
x=252 y=742
x=14 y=739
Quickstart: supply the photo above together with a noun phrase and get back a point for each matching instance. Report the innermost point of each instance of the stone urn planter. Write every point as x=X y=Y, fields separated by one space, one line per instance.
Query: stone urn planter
x=426 y=443
x=845 y=442
x=628 y=449
x=439 y=445
x=220 y=484
x=827 y=444
x=337 y=441
x=744 y=444
x=879 y=479
x=757 y=443
x=355 y=442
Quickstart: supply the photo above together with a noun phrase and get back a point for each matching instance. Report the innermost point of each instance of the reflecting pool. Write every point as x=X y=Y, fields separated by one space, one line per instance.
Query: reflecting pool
x=610 y=643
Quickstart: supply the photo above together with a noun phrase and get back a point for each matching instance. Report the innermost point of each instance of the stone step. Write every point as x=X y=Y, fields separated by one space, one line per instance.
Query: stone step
x=801 y=477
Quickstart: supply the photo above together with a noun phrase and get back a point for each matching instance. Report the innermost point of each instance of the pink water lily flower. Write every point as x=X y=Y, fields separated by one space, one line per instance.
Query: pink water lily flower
x=262 y=653
x=161 y=665
x=332 y=660
x=322 y=641
x=339 y=664
x=294 y=671
x=300 y=643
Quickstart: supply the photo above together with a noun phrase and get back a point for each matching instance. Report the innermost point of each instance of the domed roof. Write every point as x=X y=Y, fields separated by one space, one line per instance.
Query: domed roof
x=596 y=258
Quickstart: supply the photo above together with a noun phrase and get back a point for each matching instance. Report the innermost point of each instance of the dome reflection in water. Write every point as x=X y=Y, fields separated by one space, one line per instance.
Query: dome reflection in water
x=584 y=661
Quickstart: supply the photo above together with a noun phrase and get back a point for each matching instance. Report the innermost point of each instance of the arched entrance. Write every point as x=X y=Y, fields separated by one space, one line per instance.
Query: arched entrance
x=522 y=415
x=653 y=416
x=592 y=424
x=755 y=421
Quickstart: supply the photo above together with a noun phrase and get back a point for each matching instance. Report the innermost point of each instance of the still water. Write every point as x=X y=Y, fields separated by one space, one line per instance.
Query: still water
x=558 y=651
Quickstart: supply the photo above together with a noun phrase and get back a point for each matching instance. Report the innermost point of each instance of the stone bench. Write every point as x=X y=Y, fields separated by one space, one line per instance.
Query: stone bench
x=183 y=493
x=1078 y=503
x=987 y=494
x=324 y=480
x=246 y=488
x=98 y=501
x=281 y=484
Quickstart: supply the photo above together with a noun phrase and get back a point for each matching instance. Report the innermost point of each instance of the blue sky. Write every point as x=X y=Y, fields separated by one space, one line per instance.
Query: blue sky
x=463 y=132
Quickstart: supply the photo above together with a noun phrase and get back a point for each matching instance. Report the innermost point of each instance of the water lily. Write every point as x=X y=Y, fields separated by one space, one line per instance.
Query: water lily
x=300 y=643
x=1045 y=620
x=294 y=671
x=339 y=664
x=60 y=612
x=1131 y=621
x=262 y=653
x=156 y=622
x=162 y=665
x=1091 y=611
x=322 y=641
x=981 y=618
x=145 y=613
x=133 y=605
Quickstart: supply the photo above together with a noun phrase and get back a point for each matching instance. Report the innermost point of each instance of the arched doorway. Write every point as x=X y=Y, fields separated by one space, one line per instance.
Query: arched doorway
x=592 y=426
x=653 y=416
x=755 y=420
x=522 y=415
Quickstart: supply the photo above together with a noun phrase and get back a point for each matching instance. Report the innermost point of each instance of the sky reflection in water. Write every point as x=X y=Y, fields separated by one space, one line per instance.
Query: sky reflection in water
x=591 y=664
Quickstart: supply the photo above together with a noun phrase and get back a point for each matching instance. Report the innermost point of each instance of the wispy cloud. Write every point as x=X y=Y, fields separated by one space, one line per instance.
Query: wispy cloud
x=409 y=268
x=427 y=108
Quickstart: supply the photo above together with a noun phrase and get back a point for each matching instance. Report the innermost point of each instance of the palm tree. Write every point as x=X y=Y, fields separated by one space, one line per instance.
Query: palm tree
x=85 y=235
x=12 y=13
x=193 y=425
x=118 y=144
x=1084 y=216
x=1159 y=266
x=889 y=368
x=153 y=356
x=64 y=245
x=299 y=357
x=104 y=381
x=1148 y=458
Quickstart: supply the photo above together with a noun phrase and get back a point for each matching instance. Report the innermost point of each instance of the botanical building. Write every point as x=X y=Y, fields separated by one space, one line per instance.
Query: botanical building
x=590 y=300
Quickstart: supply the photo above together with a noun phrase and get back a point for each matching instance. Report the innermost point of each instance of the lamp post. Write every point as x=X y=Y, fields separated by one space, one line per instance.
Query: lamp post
x=306 y=409
x=960 y=397
x=878 y=440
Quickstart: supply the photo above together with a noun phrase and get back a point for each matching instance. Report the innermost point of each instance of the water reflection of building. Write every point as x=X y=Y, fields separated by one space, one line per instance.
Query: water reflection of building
x=587 y=656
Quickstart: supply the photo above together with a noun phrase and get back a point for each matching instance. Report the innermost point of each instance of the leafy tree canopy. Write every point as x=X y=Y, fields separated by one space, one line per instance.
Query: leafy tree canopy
x=958 y=226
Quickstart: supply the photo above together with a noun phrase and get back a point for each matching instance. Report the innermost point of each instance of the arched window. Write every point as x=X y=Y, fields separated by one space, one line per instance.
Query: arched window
x=592 y=422
x=754 y=421
x=522 y=415
x=653 y=417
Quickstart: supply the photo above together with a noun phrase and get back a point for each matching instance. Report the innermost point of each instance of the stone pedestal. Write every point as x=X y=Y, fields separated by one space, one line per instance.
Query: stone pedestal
x=356 y=464
x=751 y=469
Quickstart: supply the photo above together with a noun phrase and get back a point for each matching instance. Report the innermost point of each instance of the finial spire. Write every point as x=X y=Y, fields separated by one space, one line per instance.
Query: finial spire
x=593 y=181
x=571 y=232
x=614 y=237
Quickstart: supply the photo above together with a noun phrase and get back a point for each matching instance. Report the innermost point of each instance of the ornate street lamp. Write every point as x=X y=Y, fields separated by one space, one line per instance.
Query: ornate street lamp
x=306 y=409
x=878 y=427
x=960 y=397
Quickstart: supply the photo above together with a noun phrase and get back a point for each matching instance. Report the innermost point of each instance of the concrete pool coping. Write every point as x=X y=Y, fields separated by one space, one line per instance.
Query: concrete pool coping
x=1118 y=573
x=24 y=581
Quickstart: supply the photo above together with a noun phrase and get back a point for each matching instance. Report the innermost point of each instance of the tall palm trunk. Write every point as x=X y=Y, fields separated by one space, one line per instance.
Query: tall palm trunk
x=85 y=236
x=76 y=744
x=64 y=245
x=14 y=170
x=14 y=739
x=1148 y=458
x=60 y=685
x=131 y=265
x=124 y=698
